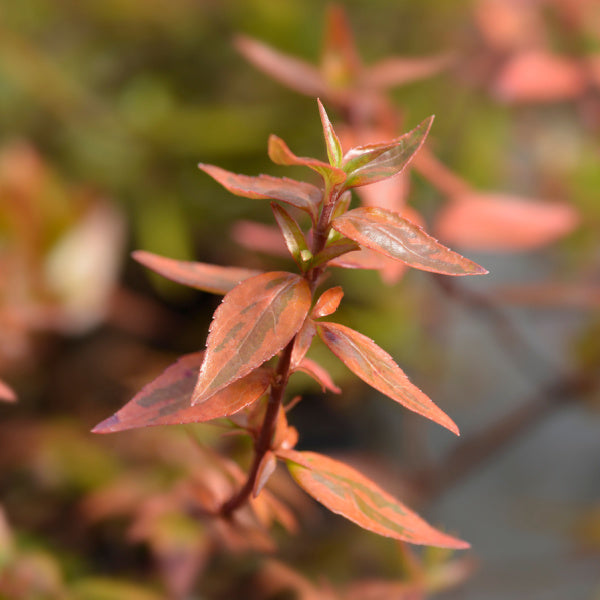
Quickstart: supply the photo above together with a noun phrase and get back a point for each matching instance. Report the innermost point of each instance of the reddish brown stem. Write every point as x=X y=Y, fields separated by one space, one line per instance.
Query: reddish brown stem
x=265 y=437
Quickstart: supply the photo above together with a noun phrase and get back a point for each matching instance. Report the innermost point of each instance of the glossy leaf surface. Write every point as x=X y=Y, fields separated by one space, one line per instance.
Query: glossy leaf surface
x=334 y=148
x=374 y=162
x=202 y=276
x=280 y=154
x=319 y=374
x=167 y=399
x=255 y=321
x=302 y=342
x=394 y=236
x=347 y=492
x=377 y=368
x=297 y=193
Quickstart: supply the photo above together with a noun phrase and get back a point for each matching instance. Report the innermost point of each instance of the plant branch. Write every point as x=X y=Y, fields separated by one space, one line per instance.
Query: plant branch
x=469 y=454
x=265 y=437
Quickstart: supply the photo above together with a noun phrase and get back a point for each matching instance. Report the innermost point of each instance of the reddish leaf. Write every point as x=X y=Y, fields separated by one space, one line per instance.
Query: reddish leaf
x=202 y=276
x=167 y=399
x=319 y=374
x=538 y=76
x=401 y=70
x=6 y=393
x=299 y=194
x=255 y=321
x=346 y=492
x=390 y=234
x=374 y=162
x=328 y=303
x=377 y=368
x=360 y=259
x=280 y=154
x=302 y=342
x=334 y=148
x=504 y=222
x=295 y=74
x=265 y=470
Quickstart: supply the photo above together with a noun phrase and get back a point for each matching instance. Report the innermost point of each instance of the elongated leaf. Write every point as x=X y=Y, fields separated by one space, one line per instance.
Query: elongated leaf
x=255 y=321
x=334 y=250
x=392 y=235
x=377 y=368
x=346 y=492
x=297 y=193
x=334 y=148
x=374 y=162
x=288 y=70
x=319 y=374
x=202 y=276
x=167 y=399
x=293 y=236
x=328 y=303
x=302 y=342
x=399 y=70
x=280 y=154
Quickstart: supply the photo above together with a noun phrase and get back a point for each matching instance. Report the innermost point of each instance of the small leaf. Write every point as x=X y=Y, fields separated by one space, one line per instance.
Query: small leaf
x=334 y=250
x=340 y=62
x=302 y=342
x=394 y=236
x=319 y=374
x=288 y=70
x=166 y=400
x=202 y=276
x=302 y=195
x=328 y=303
x=7 y=394
x=374 y=162
x=255 y=321
x=377 y=368
x=280 y=154
x=293 y=236
x=334 y=148
x=346 y=492
x=361 y=258
x=265 y=470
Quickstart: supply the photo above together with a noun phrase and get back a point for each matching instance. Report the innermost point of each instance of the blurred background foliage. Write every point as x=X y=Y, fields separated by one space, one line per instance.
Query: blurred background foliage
x=106 y=107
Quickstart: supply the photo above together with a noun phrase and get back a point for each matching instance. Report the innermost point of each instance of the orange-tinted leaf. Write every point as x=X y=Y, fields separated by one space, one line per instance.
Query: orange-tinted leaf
x=303 y=341
x=328 y=303
x=319 y=374
x=299 y=194
x=504 y=222
x=167 y=399
x=374 y=162
x=295 y=74
x=334 y=148
x=255 y=321
x=293 y=236
x=280 y=154
x=265 y=470
x=346 y=492
x=395 y=71
x=538 y=76
x=6 y=392
x=363 y=258
x=394 y=236
x=202 y=276
x=377 y=368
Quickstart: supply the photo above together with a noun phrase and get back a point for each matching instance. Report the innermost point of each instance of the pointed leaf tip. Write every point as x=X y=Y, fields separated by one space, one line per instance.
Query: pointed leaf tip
x=345 y=491
x=377 y=368
x=332 y=142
